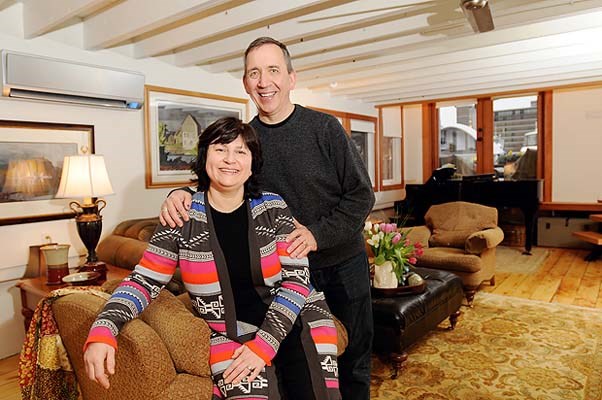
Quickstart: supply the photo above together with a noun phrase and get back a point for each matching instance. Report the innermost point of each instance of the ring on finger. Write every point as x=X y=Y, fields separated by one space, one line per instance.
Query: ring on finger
x=164 y=209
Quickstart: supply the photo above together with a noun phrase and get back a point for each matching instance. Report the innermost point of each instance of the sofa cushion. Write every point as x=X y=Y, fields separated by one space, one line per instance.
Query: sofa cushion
x=185 y=335
x=451 y=259
x=452 y=223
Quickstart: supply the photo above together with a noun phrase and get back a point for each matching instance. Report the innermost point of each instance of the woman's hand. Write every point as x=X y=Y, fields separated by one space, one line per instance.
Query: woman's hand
x=94 y=359
x=245 y=364
x=174 y=208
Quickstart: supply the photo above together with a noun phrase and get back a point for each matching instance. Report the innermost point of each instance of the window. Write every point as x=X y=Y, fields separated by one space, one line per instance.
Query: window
x=363 y=136
x=362 y=132
x=458 y=136
x=391 y=148
x=515 y=137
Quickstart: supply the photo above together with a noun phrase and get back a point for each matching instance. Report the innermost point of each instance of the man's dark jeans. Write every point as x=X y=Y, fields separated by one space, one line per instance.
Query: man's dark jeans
x=347 y=290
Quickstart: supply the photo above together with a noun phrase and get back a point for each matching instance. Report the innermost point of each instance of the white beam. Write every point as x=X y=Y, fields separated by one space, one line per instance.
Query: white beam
x=267 y=14
x=565 y=45
x=591 y=71
x=133 y=18
x=510 y=37
x=471 y=74
x=546 y=82
x=43 y=16
x=299 y=30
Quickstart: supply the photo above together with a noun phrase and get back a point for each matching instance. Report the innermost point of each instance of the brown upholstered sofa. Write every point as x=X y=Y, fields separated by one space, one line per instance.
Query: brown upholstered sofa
x=164 y=354
x=125 y=245
x=161 y=355
x=460 y=237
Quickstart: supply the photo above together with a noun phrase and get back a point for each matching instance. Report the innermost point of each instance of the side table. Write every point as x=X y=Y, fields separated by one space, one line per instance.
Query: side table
x=35 y=289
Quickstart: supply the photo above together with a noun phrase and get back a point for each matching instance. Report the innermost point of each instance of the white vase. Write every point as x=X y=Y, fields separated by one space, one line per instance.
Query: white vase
x=384 y=276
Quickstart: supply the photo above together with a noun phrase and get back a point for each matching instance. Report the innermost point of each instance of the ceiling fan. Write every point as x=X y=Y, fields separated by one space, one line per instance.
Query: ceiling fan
x=478 y=14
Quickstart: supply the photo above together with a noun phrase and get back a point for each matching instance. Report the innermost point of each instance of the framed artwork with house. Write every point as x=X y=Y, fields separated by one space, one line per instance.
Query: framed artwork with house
x=173 y=121
x=31 y=163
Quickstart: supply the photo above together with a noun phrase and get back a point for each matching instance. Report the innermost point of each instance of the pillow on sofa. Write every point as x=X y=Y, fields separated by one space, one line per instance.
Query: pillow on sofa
x=185 y=335
x=444 y=238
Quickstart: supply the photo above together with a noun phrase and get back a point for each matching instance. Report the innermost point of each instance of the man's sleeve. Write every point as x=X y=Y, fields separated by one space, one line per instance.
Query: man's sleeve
x=358 y=197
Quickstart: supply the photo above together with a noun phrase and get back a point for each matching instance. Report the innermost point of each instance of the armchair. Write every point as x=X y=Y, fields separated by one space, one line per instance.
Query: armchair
x=460 y=237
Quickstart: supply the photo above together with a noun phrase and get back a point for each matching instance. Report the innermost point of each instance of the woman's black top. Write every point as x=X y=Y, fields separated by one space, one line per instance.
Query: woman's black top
x=232 y=235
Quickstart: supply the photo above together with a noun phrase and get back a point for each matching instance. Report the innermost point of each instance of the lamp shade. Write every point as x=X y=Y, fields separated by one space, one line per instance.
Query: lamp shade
x=84 y=176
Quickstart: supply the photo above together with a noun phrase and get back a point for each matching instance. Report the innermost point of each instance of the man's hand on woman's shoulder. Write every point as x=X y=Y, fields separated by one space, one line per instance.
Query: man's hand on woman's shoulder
x=175 y=208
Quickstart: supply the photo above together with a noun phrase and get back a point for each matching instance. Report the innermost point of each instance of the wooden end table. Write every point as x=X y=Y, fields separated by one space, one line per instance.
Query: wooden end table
x=35 y=289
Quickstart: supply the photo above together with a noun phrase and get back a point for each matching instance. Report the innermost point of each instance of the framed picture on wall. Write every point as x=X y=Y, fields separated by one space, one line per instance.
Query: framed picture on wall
x=173 y=121
x=31 y=163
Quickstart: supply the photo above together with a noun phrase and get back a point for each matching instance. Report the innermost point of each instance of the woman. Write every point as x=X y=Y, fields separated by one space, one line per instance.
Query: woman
x=269 y=326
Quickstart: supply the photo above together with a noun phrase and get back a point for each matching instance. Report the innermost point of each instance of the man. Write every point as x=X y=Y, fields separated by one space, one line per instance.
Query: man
x=311 y=163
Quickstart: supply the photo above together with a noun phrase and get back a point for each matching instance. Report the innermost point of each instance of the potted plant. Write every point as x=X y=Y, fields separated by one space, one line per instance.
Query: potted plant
x=394 y=254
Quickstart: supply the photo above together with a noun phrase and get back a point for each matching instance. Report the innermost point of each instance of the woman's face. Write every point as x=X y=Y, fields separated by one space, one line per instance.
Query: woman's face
x=229 y=165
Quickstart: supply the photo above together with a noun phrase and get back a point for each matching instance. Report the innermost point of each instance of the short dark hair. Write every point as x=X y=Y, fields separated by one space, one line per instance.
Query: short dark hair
x=226 y=130
x=268 y=40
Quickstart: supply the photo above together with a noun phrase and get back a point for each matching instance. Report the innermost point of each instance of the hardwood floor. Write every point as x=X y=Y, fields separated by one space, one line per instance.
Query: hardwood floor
x=565 y=277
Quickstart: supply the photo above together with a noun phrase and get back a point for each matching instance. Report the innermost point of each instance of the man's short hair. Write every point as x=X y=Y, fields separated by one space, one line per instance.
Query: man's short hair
x=268 y=40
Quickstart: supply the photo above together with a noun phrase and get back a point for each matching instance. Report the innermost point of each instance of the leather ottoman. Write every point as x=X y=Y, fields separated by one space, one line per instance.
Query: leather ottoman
x=400 y=321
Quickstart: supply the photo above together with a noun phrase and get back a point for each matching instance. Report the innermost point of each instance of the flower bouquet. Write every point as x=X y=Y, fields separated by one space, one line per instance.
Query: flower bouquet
x=394 y=254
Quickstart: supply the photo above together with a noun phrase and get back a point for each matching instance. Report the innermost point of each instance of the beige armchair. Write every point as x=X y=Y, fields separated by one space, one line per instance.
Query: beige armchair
x=461 y=238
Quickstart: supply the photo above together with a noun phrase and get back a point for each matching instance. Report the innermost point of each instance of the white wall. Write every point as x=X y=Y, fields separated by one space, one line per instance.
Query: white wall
x=577 y=145
x=119 y=136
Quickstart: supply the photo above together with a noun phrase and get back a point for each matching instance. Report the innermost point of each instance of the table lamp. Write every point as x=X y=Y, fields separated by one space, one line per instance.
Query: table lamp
x=85 y=176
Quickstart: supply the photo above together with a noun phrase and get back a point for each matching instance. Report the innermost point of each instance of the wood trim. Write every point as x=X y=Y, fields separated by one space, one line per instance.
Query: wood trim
x=193 y=94
x=545 y=142
x=558 y=206
x=484 y=135
x=427 y=138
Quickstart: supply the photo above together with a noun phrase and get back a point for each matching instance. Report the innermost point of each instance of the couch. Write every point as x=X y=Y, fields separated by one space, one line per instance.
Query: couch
x=460 y=237
x=161 y=355
x=124 y=247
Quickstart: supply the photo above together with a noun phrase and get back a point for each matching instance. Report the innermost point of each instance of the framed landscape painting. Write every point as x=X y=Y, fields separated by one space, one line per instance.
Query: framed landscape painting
x=31 y=163
x=173 y=121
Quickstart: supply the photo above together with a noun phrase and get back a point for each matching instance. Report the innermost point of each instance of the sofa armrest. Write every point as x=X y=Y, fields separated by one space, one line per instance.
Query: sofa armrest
x=420 y=234
x=485 y=239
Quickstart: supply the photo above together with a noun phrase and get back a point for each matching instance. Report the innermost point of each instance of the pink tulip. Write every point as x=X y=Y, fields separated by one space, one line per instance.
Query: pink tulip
x=418 y=245
x=396 y=238
x=383 y=226
x=412 y=260
x=419 y=252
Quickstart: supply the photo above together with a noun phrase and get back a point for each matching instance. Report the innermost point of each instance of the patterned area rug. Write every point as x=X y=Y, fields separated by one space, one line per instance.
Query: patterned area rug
x=512 y=259
x=503 y=348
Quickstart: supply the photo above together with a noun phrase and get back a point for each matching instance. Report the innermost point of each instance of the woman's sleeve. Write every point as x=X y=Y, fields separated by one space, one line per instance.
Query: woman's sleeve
x=290 y=296
x=143 y=285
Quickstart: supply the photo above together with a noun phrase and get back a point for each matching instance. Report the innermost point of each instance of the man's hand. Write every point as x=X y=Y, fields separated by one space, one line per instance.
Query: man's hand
x=175 y=208
x=245 y=364
x=301 y=241
x=94 y=359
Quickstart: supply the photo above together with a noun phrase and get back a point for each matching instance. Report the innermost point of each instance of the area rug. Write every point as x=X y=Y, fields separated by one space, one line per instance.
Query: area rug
x=503 y=348
x=512 y=259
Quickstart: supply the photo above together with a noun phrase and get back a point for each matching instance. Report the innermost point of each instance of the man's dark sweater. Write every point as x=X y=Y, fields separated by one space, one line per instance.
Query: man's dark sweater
x=310 y=161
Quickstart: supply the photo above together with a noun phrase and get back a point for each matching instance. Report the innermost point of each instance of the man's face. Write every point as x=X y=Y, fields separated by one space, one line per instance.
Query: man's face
x=268 y=82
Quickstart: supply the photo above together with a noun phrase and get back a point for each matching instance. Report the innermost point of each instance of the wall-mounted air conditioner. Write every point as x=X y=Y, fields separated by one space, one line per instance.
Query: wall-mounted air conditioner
x=40 y=78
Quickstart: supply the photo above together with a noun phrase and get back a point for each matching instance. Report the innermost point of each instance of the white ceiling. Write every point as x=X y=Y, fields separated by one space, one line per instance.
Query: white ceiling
x=375 y=51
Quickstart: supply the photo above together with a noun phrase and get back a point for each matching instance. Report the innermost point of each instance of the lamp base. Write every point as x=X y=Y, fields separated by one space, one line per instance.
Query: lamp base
x=96 y=266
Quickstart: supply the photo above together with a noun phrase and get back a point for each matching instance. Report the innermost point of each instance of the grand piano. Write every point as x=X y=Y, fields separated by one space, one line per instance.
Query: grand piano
x=522 y=194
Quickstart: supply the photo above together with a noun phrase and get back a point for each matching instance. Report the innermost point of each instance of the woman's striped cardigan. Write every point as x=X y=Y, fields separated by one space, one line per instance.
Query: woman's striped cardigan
x=281 y=281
